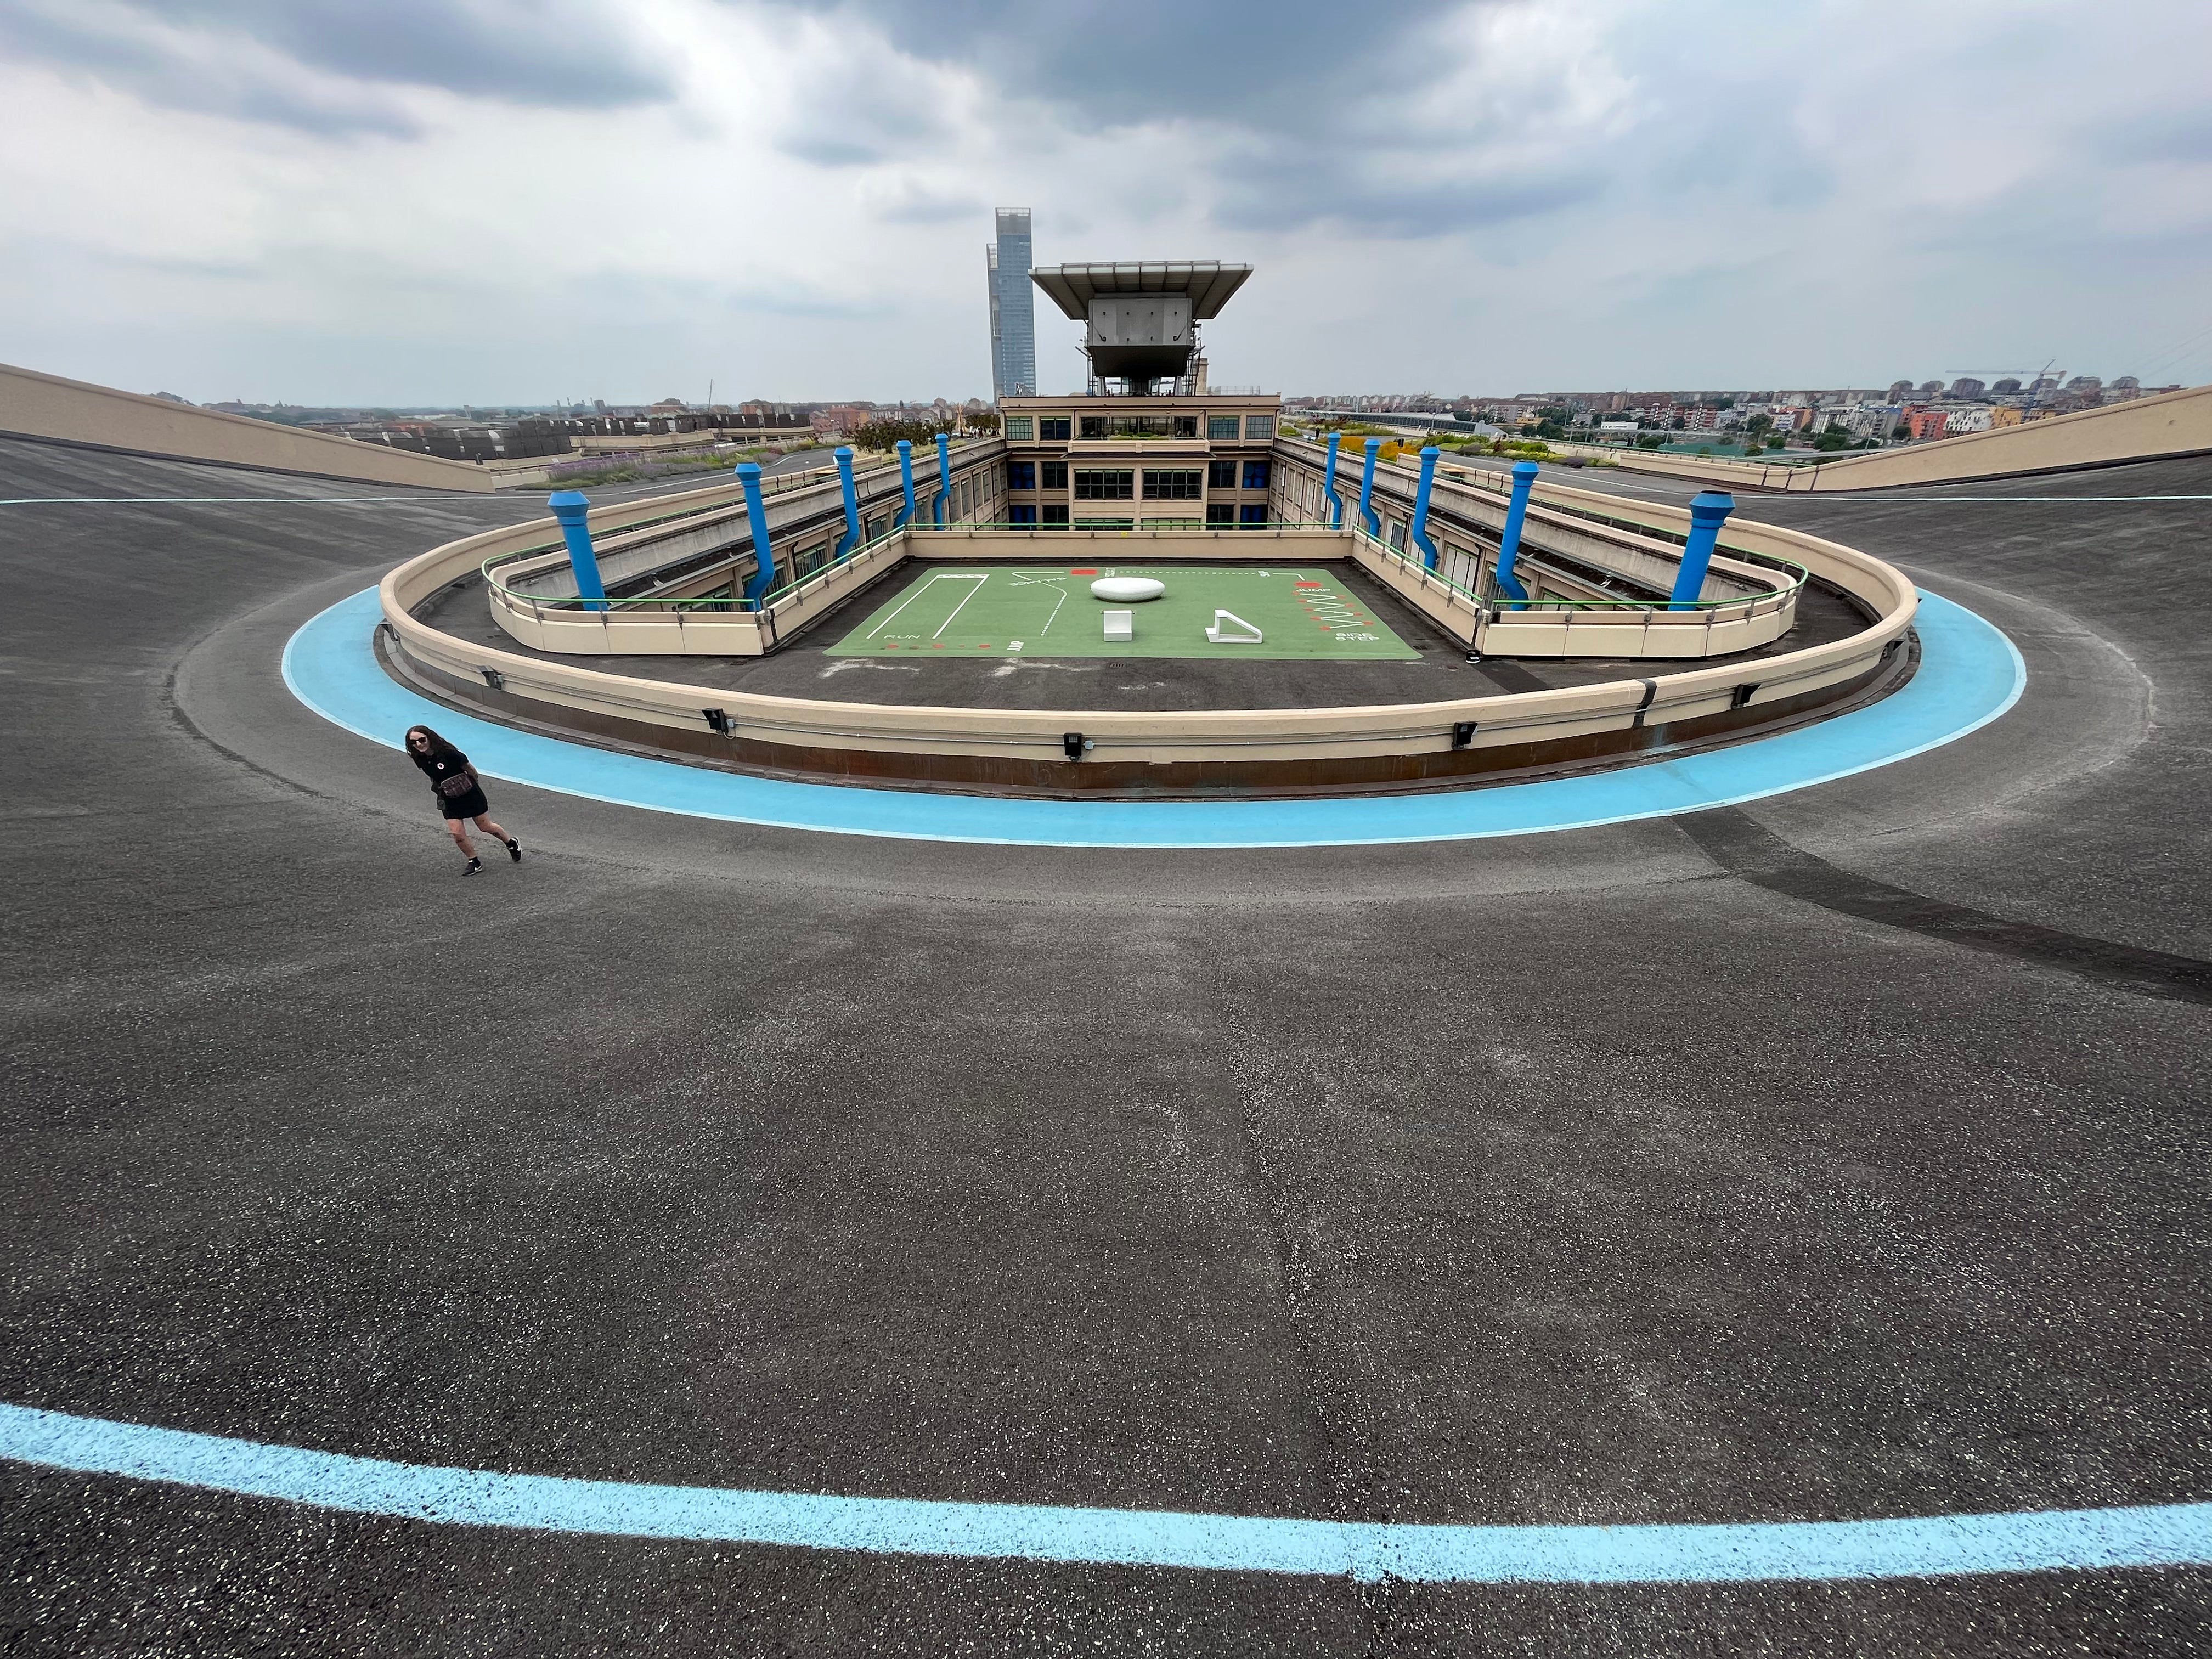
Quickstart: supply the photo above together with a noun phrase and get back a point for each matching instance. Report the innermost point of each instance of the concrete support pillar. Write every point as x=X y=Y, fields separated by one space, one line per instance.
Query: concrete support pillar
x=851 y=539
x=1418 y=533
x=906 y=481
x=1509 y=544
x=1709 y=510
x=571 y=508
x=1367 y=490
x=944 y=496
x=763 y=577
x=1329 y=484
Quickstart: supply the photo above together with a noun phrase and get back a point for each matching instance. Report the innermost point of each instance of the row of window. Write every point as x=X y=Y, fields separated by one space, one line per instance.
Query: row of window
x=1049 y=428
x=1219 y=515
x=1117 y=483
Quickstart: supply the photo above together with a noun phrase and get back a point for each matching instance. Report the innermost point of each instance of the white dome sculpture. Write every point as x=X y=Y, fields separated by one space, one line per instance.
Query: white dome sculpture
x=1125 y=589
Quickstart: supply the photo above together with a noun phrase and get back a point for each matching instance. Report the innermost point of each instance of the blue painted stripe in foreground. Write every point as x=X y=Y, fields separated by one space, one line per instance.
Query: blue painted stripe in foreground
x=1969 y=675
x=2156 y=1536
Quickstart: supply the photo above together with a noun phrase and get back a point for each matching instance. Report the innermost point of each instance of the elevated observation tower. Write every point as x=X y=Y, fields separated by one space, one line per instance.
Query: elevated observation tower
x=1141 y=318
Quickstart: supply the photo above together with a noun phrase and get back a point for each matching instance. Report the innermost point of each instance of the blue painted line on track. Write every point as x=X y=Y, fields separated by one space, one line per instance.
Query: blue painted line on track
x=1969 y=675
x=2153 y=1536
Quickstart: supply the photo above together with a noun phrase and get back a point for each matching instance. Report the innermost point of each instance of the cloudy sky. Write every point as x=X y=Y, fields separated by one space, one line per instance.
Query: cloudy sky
x=414 y=201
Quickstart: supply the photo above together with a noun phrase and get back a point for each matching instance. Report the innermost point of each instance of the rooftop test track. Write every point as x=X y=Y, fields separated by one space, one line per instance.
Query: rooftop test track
x=2029 y=1554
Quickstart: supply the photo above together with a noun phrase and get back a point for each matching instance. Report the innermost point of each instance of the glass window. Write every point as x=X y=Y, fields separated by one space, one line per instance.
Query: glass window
x=1105 y=524
x=1021 y=475
x=1055 y=513
x=1221 y=475
x=1185 y=425
x=1019 y=428
x=873 y=530
x=1221 y=426
x=1118 y=485
x=1254 y=516
x=1171 y=523
x=1258 y=426
x=1021 y=515
x=1052 y=427
x=1397 y=536
x=1255 y=475
x=1177 y=486
x=1056 y=475
x=1219 y=515
x=1094 y=426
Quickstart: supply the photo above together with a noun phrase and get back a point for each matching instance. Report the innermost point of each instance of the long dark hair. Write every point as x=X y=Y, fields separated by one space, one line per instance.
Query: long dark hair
x=439 y=749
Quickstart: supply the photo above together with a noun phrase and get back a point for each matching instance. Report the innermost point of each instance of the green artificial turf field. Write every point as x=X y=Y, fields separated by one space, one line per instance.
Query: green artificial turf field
x=1045 y=610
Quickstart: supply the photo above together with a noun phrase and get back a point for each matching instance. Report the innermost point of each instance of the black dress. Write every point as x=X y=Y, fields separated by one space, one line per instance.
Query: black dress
x=453 y=763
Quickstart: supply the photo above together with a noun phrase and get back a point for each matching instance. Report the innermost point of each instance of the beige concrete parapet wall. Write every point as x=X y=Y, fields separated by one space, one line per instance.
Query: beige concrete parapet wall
x=2144 y=428
x=1168 y=736
x=38 y=406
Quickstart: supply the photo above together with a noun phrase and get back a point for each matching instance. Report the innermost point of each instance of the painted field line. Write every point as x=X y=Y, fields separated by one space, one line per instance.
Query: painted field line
x=2150 y=1535
x=920 y=589
x=1970 y=675
x=982 y=582
x=1058 y=584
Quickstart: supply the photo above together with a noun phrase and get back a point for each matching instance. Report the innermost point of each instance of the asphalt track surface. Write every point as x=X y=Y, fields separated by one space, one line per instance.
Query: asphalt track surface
x=1839 y=1156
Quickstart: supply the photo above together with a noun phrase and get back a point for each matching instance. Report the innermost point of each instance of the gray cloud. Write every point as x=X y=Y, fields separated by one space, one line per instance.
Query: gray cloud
x=1263 y=62
x=184 y=54
x=1296 y=108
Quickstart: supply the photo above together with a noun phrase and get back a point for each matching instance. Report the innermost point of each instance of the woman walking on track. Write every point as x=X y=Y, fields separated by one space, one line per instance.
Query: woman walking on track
x=459 y=791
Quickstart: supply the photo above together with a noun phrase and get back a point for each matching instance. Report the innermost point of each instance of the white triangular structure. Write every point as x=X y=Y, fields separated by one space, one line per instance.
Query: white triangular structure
x=1221 y=635
x=1120 y=625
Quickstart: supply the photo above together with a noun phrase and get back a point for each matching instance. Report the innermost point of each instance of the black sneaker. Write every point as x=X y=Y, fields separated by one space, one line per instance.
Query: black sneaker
x=514 y=850
x=474 y=867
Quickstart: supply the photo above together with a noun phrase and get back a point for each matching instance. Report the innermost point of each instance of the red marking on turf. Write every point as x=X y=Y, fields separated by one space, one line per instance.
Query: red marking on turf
x=1092 y=572
x=1306 y=584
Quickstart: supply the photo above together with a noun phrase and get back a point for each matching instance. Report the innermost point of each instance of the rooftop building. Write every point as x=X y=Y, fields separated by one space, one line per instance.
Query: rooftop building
x=1141 y=318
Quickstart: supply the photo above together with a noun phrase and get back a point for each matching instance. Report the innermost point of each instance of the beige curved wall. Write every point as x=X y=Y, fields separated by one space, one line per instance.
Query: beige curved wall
x=36 y=405
x=2172 y=423
x=1163 y=736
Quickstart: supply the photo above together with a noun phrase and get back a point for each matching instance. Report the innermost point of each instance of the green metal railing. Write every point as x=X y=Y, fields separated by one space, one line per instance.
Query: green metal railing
x=1500 y=484
x=537 y=604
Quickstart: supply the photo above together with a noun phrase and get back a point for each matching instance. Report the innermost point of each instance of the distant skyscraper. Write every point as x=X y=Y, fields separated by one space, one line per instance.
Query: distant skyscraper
x=1013 y=317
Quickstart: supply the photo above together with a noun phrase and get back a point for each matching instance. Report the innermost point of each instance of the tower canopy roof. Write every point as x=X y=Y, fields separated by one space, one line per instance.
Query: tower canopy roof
x=1208 y=282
